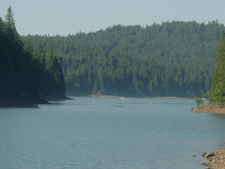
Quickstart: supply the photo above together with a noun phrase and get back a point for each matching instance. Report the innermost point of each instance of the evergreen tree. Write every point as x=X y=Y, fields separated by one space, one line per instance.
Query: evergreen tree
x=52 y=84
x=9 y=17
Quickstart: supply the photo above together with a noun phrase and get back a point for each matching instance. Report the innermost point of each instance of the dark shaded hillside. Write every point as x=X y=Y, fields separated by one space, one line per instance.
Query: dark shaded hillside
x=19 y=73
x=26 y=77
x=171 y=59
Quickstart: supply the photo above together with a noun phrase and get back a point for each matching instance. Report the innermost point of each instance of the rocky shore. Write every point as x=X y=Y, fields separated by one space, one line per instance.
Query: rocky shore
x=217 y=158
x=211 y=108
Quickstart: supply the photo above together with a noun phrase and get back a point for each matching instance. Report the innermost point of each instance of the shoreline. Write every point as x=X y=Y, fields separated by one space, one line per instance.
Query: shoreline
x=216 y=158
x=30 y=102
x=170 y=97
x=114 y=96
x=106 y=96
x=210 y=108
x=15 y=102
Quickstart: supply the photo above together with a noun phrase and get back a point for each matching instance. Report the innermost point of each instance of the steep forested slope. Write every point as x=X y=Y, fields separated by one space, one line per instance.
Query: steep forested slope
x=171 y=59
x=22 y=74
x=19 y=73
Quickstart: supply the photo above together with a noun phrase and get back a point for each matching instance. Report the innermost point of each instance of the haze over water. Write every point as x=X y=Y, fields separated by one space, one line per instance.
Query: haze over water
x=98 y=133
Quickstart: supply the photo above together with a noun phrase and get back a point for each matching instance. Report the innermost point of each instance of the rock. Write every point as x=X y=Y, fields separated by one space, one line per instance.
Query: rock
x=192 y=108
x=209 y=155
x=203 y=163
x=194 y=155
x=203 y=154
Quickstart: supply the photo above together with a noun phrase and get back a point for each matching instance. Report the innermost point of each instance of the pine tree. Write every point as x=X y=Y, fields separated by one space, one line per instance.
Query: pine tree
x=9 y=17
x=53 y=83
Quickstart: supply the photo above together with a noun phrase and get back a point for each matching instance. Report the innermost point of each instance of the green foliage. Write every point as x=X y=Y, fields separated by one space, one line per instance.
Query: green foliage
x=9 y=17
x=198 y=101
x=206 y=96
x=218 y=86
x=171 y=59
x=52 y=84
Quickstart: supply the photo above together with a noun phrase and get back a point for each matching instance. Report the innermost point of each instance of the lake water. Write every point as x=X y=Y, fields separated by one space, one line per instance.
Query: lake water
x=96 y=133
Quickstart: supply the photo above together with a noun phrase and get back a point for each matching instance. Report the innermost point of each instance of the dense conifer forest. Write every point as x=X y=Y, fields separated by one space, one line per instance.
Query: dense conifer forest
x=26 y=76
x=169 y=59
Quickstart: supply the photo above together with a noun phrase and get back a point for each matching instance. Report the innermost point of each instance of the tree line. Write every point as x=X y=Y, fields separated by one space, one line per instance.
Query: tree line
x=169 y=59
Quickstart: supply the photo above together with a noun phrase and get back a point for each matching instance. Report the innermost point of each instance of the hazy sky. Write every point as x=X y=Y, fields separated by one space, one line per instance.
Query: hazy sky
x=63 y=17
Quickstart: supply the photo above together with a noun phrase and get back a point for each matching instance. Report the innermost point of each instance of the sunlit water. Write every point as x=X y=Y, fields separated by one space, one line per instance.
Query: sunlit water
x=97 y=133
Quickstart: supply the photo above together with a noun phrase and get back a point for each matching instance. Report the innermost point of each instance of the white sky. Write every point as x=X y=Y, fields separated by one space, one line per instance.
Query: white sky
x=63 y=17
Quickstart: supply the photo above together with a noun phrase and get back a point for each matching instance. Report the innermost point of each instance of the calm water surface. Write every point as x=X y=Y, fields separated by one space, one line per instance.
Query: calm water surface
x=96 y=133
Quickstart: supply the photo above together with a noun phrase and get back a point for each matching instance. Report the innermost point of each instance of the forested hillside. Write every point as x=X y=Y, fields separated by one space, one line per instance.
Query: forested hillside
x=25 y=77
x=170 y=59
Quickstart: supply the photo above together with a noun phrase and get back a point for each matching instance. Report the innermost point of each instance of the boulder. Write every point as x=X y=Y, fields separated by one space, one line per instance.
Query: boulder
x=203 y=154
